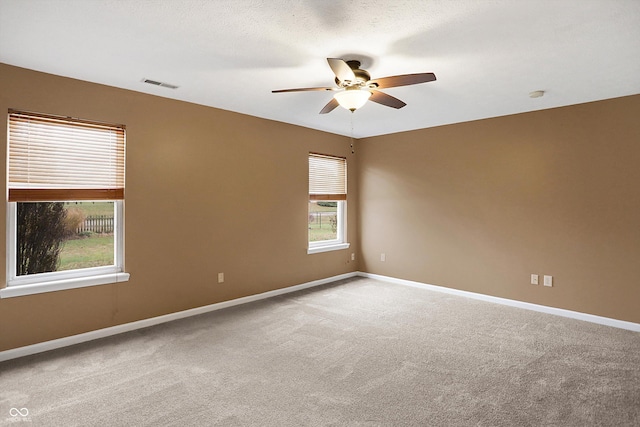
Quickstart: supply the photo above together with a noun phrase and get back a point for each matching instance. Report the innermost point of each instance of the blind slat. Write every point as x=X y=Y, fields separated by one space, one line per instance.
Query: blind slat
x=332 y=197
x=80 y=159
x=61 y=194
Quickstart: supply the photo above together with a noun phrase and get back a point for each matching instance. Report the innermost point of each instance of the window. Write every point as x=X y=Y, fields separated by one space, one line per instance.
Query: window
x=65 y=204
x=327 y=203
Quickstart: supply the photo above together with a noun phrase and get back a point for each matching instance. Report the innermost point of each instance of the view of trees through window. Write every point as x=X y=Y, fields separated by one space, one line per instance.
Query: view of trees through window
x=57 y=236
x=323 y=223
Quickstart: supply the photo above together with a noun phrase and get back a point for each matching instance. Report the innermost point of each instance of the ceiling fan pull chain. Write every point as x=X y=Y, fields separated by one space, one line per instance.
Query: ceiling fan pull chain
x=353 y=151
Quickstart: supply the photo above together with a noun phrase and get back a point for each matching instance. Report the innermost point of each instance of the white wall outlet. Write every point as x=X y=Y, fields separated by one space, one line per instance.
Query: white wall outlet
x=534 y=279
x=220 y=277
x=548 y=280
x=353 y=256
x=383 y=257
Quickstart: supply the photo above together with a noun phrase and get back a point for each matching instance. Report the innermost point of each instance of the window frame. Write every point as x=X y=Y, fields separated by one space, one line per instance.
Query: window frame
x=68 y=279
x=340 y=242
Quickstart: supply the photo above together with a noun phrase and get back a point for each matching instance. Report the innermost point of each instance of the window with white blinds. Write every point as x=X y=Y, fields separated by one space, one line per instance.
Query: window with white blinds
x=327 y=177
x=327 y=203
x=56 y=159
x=63 y=174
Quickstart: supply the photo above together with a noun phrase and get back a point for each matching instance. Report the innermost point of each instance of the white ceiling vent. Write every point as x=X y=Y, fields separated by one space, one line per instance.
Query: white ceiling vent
x=157 y=83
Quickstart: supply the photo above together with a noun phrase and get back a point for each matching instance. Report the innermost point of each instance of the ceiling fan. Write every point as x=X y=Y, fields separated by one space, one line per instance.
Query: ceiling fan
x=355 y=86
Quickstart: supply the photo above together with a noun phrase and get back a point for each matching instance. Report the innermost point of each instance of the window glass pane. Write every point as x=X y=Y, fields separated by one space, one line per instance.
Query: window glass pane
x=57 y=236
x=323 y=221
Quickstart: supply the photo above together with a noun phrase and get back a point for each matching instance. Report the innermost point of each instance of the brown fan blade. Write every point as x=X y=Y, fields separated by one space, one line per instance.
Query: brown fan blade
x=304 y=89
x=384 y=99
x=330 y=106
x=403 y=80
x=341 y=69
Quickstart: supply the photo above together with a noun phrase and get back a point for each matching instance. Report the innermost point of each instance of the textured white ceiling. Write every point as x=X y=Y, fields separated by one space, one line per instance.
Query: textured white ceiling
x=487 y=54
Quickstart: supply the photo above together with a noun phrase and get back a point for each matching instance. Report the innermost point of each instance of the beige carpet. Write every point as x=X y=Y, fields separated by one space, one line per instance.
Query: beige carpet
x=354 y=353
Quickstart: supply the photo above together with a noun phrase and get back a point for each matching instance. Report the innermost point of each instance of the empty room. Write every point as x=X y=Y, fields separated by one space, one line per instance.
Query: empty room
x=310 y=213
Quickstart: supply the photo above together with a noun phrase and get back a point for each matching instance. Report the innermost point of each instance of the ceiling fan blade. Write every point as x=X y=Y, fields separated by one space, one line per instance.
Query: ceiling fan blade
x=387 y=100
x=330 y=106
x=304 y=89
x=341 y=69
x=403 y=80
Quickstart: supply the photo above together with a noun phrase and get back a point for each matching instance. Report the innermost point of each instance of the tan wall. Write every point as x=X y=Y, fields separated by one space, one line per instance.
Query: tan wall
x=477 y=206
x=480 y=206
x=207 y=191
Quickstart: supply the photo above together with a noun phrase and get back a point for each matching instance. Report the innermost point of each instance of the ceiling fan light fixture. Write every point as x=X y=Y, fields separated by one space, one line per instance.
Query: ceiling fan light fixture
x=352 y=98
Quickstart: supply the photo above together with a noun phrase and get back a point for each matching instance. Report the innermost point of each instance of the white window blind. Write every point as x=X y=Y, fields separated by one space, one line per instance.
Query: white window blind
x=55 y=158
x=327 y=177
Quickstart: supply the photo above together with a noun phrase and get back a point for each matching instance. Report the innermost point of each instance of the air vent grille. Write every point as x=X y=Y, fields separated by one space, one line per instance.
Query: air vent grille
x=161 y=84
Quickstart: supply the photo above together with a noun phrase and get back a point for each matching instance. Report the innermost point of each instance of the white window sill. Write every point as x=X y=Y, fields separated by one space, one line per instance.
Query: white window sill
x=327 y=248
x=60 y=285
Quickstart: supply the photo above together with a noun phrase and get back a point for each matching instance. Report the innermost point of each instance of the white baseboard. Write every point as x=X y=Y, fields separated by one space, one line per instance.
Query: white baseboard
x=622 y=324
x=127 y=327
x=119 y=329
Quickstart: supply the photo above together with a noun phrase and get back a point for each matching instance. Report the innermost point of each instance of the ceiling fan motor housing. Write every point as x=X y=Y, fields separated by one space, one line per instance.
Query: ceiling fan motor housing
x=362 y=76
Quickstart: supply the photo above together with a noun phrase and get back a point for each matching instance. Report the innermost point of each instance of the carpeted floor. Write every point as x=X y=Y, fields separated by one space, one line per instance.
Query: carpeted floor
x=355 y=353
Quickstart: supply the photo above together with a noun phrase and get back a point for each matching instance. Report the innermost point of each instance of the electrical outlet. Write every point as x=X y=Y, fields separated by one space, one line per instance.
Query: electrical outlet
x=220 y=277
x=353 y=256
x=548 y=281
x=534 y=279
x=383 y=257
